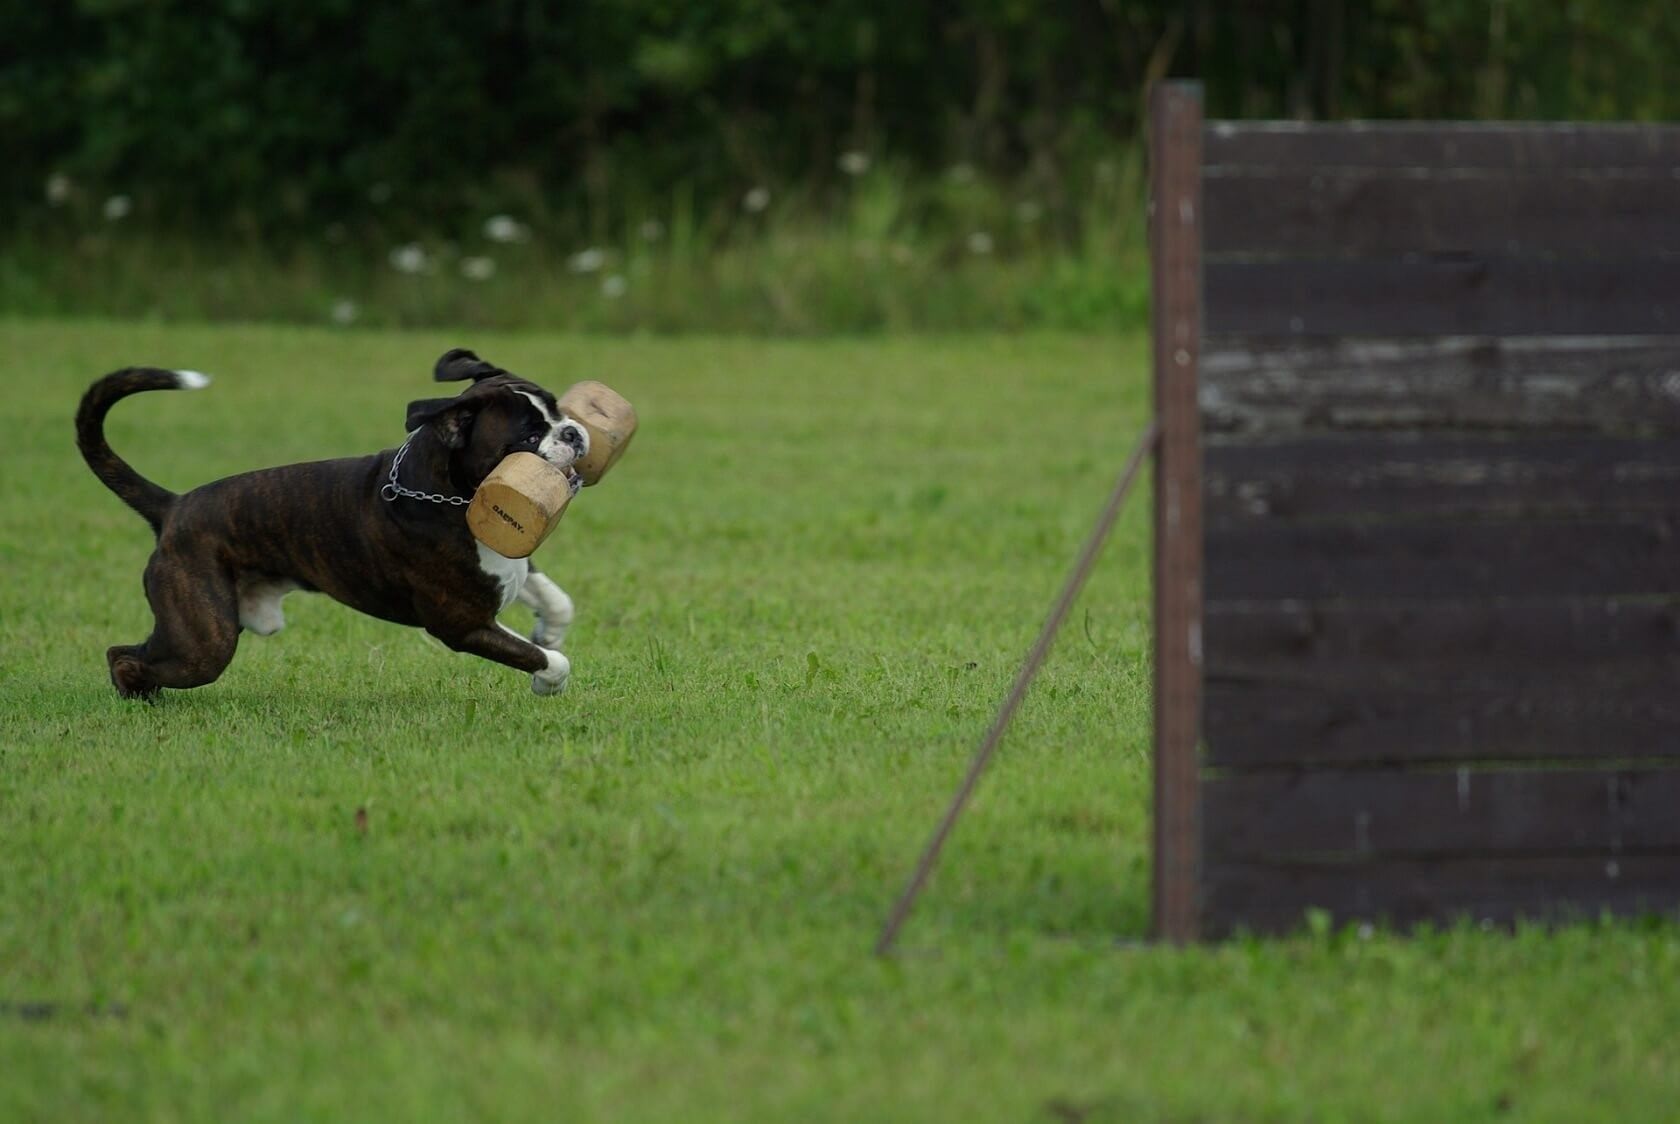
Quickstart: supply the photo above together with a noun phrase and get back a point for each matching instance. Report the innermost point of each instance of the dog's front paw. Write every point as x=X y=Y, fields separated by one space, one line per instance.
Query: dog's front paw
x=548 y=634
x=552 y=679
x=552 y=607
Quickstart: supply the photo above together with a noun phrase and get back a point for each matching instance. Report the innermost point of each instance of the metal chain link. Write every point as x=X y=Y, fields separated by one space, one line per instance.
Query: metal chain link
x=392 y=490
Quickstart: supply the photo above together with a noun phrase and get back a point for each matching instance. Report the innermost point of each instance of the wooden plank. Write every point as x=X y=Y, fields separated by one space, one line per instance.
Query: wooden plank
x=1329 y=815
x=1502 y=146
x=1608 y=385
x=1176 y=236
x=1264 y=898
x=1269 y=559
x=1516 y=231
x=1310 y=211
x=1259 y=724
x=1444 y=296
x=1566 y=646
x=1388 y=476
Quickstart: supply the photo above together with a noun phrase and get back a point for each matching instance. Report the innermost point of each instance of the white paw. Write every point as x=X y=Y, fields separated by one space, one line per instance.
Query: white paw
x=549 y=634
x=553 y=609
x=552 y=679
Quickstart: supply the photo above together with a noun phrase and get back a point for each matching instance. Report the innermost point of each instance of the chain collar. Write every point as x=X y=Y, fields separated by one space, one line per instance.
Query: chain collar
x=392 y=489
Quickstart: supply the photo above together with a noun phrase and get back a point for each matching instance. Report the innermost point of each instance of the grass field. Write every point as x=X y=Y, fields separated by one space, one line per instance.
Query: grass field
x=362 y=878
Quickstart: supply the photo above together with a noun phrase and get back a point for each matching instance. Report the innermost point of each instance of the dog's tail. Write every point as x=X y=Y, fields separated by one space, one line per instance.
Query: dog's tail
x=150 y=500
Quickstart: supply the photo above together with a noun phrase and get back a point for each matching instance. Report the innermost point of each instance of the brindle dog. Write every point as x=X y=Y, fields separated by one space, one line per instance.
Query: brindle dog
x=394 y=547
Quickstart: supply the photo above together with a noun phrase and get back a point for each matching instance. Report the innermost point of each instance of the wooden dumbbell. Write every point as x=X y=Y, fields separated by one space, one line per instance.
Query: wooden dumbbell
x=520 y=503
x=610 y=420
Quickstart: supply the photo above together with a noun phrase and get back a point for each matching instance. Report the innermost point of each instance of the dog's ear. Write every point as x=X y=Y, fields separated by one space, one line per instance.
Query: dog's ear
x=450 y=418
x=458 y=363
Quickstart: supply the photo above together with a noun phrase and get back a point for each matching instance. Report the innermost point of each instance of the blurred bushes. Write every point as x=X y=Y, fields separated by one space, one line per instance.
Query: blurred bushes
x=264 y=113
x=286 y=115
x=754 y=165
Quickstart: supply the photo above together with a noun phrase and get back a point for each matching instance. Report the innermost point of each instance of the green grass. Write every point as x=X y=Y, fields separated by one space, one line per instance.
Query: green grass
x=800 y=596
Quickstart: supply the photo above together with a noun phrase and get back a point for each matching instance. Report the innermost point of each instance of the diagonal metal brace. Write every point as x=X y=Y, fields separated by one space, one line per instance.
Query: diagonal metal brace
x=1146 y=443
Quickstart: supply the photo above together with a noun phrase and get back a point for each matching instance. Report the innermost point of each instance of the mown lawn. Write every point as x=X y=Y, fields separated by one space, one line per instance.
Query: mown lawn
x=362 y=878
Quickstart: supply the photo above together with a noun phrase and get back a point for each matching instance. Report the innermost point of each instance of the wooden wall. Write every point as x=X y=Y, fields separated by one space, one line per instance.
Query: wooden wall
x=1439 y=402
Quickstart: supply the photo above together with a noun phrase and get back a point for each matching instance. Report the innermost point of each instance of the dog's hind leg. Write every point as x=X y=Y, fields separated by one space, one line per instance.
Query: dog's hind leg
x=195 y=632
x=544 y=597
x=259 y=604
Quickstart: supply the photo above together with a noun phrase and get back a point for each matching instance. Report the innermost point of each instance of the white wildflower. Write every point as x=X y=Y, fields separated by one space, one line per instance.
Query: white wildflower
x=58 y=189
x=344 y=312
x=613 y=286
x=1028 y=212
x=756 y=200
x=408 y=258
x=960 y=173
x=854 y=163
x=117 y=207
x=651 y=230
x=980 y=243
x=506 y=228
x=587 y=261
x=478 y=268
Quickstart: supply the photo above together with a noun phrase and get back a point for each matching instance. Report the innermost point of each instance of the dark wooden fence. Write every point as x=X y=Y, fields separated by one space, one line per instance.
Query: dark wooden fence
x=1418 y=583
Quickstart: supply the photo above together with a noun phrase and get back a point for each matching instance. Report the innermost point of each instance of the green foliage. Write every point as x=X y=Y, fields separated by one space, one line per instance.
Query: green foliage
x=727 y=165
x=361 y=878
x=284 y=116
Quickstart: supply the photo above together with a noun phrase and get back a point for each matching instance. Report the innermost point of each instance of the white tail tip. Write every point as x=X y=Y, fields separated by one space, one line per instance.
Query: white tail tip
x=192 y=380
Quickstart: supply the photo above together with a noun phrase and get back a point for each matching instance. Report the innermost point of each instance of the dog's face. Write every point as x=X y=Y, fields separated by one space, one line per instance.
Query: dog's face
x=498 y=415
